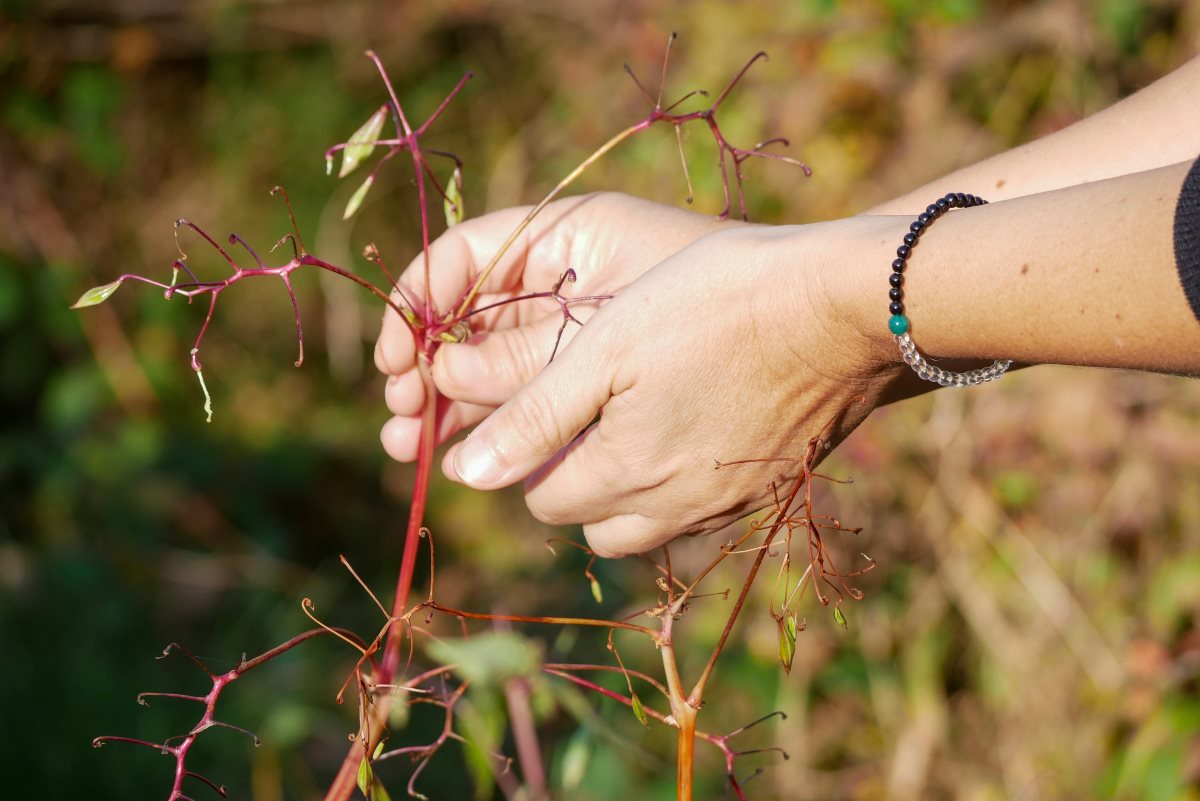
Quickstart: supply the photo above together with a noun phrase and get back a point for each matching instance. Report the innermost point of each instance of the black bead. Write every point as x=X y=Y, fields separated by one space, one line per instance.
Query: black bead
x=962 y=199
x=898 y=266
x=926 y=217
x=930 y=210
x=903 y=251
x=896 y=293
x=896 y=307
x=896 y=279
x=918 y=225
x=951 y=199
x=942 y=204
x=910 y=239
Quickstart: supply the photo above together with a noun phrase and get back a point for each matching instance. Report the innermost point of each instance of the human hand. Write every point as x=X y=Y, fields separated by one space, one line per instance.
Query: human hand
x=734 y=347
x=608 y=239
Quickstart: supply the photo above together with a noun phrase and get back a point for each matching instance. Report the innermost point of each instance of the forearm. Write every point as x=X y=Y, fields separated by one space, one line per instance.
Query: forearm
x=1156 y=127
x=1084 y=275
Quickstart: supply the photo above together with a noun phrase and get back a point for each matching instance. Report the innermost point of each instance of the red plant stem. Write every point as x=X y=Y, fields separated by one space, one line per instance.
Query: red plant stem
x=561 y=672
x=594 y=687
x=416 y=516
x=208 y=717
x=658 y=685
x=345 y=782
x=524 y=729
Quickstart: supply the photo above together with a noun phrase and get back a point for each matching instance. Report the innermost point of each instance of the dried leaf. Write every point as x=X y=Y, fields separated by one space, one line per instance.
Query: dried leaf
x=357 y=147
x=459 y=332
x=97 y=294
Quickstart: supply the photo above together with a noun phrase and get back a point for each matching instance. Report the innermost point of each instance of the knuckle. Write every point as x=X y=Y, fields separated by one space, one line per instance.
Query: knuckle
x=521 y=362
x=600 y=541
x=532 y=420
x=625 y=535
x=550 y=514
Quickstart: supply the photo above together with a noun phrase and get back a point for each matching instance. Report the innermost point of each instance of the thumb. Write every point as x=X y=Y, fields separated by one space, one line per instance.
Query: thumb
x=541 y=418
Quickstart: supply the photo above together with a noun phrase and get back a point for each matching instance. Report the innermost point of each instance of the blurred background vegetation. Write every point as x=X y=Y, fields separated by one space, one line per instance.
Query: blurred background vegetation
x=1033 y=630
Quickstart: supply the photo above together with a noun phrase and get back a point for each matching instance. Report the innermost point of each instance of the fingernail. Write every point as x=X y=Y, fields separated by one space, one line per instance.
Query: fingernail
x=475 y=463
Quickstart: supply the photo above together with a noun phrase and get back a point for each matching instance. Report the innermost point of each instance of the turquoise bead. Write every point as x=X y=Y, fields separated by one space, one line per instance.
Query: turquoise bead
x=898 y=324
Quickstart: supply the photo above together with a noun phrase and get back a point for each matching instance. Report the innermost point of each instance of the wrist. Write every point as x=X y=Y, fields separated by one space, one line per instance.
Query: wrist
x=851 y=270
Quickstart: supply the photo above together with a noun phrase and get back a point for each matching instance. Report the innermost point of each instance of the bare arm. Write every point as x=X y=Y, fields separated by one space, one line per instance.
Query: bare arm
x=1158 y=126
x=1083 y=275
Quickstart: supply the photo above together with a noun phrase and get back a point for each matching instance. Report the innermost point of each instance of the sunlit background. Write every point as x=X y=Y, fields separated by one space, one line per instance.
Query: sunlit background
x=1033 y=628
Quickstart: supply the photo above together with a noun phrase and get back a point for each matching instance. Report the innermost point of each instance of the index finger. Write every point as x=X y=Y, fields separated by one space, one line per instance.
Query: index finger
x=457 y=258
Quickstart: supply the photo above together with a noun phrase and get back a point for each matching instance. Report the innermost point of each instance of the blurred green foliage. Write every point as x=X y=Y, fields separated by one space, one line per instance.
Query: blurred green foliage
x=1031 y=632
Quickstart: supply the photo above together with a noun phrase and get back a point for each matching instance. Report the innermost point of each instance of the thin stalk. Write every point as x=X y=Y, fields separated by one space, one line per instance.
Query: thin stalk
x=345 y=782
x=780 y=520
x=547 y=619
x=682 y=710
x=416 y=516
x=465 y=304
x=364 y=283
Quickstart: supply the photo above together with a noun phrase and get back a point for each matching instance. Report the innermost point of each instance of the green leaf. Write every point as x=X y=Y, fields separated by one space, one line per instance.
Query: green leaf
x=357 y=198
x=596 y=592
x=453 y=203
x=357 y=147
x=575 y=759
x=371 y=788
x=787 y=643
x=366 y=777
x=480 y=715
x=840 y=617
x=639 y=711
x=97 y=294
x=490 y=658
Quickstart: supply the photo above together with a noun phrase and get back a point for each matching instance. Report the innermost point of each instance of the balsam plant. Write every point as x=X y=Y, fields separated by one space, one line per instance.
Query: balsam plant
x=386 y=678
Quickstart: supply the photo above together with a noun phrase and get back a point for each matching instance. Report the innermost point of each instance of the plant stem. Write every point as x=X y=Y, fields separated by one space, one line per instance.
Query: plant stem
x=345 y=782
x=547 y=619
x=416 y=517
x=685 y=717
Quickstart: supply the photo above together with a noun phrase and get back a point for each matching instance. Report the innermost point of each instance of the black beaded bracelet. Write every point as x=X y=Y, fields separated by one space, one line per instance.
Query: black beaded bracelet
x=898 y=323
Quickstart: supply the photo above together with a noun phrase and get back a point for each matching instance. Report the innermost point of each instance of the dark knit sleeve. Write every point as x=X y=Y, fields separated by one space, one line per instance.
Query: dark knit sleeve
x=1187 y=237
